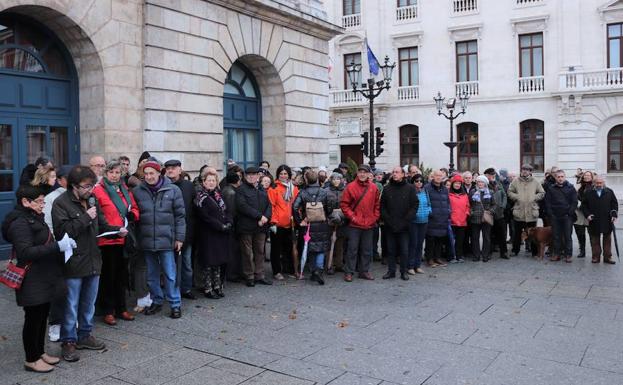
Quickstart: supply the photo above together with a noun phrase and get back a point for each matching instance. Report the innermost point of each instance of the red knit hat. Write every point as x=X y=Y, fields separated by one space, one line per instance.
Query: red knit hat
x=153 y=164
x=457 y=178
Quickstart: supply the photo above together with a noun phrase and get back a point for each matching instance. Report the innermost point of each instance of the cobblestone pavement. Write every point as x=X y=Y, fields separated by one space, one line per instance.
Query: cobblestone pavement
x=505 y=322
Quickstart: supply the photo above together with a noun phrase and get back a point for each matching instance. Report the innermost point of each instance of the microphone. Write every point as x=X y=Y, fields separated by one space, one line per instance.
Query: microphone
x=91 y=201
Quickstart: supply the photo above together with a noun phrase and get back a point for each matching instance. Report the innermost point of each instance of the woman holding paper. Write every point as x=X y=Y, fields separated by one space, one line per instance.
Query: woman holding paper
x=34 y=247
x=118 y=205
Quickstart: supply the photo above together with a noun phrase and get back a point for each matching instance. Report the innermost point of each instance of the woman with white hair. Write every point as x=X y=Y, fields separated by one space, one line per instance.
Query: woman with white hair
x=482 y=207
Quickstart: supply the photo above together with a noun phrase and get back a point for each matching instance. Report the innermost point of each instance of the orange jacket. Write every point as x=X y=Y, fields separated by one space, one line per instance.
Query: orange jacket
x=282 y=210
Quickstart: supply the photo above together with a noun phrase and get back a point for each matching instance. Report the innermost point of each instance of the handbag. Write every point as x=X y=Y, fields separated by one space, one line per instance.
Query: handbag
x=314 y=211
x=13 y=276
x=487 y=217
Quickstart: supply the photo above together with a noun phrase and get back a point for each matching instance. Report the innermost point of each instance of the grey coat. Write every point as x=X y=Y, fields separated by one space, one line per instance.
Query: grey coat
x=163 y=216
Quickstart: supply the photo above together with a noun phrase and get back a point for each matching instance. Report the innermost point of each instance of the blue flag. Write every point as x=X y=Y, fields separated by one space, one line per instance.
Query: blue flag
x=372 y=62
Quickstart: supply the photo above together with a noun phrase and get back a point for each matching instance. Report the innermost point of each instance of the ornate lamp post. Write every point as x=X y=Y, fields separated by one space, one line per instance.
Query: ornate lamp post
x=450 y=105
x=370 y=91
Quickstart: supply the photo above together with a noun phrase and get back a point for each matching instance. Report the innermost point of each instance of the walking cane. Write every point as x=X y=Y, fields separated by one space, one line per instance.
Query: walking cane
x=331 y=251
x=616 y=241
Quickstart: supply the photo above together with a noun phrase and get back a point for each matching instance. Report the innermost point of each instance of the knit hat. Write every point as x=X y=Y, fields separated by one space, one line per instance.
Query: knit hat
x=456 y=178
x=153 y=164
x=483 y=179
x=336 y=175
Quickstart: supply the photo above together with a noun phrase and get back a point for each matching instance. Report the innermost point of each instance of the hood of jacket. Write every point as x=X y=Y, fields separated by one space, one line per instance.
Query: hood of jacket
x=18 y=212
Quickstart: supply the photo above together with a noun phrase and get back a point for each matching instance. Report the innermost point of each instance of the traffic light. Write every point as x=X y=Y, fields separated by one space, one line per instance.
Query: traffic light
x=365 y=144
x=379 y=141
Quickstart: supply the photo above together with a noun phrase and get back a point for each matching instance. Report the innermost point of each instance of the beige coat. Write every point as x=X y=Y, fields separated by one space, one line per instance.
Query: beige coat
x=526 y=193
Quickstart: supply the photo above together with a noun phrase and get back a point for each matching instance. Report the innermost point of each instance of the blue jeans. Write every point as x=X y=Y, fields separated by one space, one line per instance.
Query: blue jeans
x=79 y=307
x=417 y=233
x=165 y=260
x=187 y=269
x=320 y=261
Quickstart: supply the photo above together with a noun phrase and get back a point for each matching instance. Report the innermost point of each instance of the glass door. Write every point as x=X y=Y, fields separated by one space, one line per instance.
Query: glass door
x=9 y=178
x=48 y=138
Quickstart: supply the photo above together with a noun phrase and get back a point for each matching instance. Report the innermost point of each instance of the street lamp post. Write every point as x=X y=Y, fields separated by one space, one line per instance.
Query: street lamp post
x=371 y=90
x=450 y=105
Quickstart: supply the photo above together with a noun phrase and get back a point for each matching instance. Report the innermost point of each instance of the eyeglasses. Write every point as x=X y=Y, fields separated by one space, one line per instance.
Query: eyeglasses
x=419 y=181
x=98 y=165
x=38 y=201
x=86 y=187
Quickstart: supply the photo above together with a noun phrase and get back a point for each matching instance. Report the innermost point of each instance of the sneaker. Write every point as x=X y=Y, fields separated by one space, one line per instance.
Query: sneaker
x=453 y=261
x=411 y=271
x=460 y=260
x=90 y=343
x=176 y=312
x=54 y=333
x=278 y=277
x=69 y=352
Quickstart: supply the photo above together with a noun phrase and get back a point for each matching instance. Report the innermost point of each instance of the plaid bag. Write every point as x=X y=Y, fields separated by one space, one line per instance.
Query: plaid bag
x=13 y=275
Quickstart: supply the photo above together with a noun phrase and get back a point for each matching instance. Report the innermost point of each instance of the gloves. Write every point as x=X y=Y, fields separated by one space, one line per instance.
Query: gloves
x=273 y=229
x=226 y=227
x=66 y=243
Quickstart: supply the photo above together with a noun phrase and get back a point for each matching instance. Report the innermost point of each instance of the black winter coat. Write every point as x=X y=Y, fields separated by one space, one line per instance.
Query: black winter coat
x=320 y=232
x=251 y=204
x=212 y=240
x=162 y=216
x=33 y=243
x=399 y=203
x=229 y=196
x=70 y=217
x=603 y=208
x=561 y=200
x=335 y=196
x=440 y=215
x=188 y=193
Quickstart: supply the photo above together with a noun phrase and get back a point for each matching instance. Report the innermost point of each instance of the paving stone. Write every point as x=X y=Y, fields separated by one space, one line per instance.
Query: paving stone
x=82 y=372
x=272 y=378
x=236 y=367
x=354 y=379
x=305 y=369
x=233 y=351
x=166 y=367
x=208 y=374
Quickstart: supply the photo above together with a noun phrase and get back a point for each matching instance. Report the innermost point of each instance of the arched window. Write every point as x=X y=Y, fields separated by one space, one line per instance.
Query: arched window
x=409 y=144
x=615 y=148
x=532 y=143
x=467 y=154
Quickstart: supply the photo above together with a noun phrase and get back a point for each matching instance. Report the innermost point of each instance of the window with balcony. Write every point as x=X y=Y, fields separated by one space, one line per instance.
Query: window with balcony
x=615 y=45
x=350 y=58
x=467 y=67
x=464 y=6
x=531 y=77
x=408 y=66
x=615 y=148
x=532 y=142
x=409 y=144
x=406 y=10
x=351 y=13
x=467 y=154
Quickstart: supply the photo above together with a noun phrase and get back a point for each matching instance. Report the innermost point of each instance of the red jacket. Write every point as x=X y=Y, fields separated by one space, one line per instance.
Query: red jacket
x=368 y=212
x=282 y=210
x=459 y=209
x=111 y=213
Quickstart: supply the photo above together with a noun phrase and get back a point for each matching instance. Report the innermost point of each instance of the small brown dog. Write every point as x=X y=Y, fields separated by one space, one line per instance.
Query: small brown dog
x=541 y=236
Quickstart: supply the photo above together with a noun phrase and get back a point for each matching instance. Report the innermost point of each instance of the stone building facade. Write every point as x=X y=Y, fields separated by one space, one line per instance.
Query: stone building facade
x=544 y=79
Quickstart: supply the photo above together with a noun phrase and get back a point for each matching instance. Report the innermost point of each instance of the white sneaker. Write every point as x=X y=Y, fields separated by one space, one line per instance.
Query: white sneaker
x=144 y=302
x=278 y=277
x=54 y=333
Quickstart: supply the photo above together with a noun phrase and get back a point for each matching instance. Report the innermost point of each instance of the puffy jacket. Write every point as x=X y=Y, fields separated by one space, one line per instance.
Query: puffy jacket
x=33 y=243
x=188 y=194
x=526 y=193
x=440 y=213
x=398 y=205
x=281 y=210
x=604 y=208
x=112 y=215
x=368 y=212
x=70 y=217
x=424 y=209
x=561 y=200
x=163 y=216
x=320 y=232
x=251 y=204
x=479 y=202
x=459 y=205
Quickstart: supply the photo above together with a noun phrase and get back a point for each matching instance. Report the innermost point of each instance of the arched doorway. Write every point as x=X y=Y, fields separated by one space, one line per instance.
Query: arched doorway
x=38 y=99
x=242 y=120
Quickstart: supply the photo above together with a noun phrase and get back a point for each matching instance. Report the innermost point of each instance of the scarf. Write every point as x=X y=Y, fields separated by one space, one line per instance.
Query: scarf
x=287 y=196
x=486 y=194
x=459 y=191
x=155 y=187
x=215 y=195
x=113 y=192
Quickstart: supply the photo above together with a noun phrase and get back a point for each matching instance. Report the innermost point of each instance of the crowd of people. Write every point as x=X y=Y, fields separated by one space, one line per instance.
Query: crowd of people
x=91 y=235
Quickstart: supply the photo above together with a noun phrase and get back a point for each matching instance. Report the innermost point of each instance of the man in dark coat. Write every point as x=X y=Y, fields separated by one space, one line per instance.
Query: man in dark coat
x=561 y=200
x=438 y=222
x=600 y=206
x=174 y=172
x=399 y=203
x=253 y=212
x=77 y=214
x=161 y=231
x=234 y=266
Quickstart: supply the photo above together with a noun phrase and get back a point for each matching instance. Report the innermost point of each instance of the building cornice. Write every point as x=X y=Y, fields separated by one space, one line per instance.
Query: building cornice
x=529 y=24
x=281 y=14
